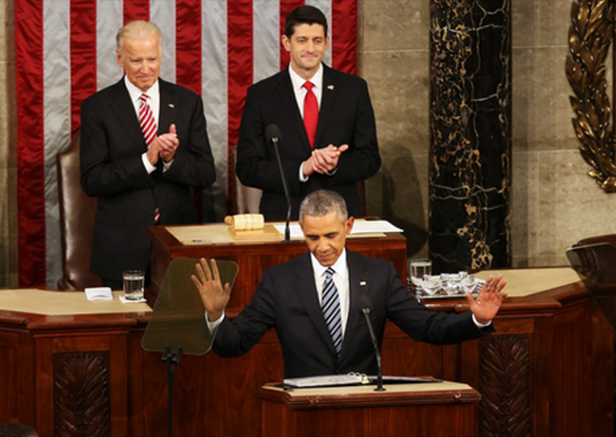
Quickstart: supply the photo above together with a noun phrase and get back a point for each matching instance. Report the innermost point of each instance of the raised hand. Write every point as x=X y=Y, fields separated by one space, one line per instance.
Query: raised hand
x=489 y=300
x=213 y=295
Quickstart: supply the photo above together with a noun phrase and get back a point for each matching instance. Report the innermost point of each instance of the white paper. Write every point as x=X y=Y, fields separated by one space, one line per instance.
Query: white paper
x=124 y=300
x=99 y=293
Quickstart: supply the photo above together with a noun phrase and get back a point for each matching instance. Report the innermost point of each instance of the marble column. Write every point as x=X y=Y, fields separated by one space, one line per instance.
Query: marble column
x=470 y=124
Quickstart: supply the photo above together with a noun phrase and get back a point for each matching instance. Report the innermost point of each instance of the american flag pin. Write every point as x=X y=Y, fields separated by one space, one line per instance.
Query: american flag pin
x=171 y=105
x=330 y=87
x=362 y=283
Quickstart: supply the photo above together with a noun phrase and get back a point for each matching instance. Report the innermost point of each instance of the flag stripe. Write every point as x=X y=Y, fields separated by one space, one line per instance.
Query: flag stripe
x=188 y=45
x=108 y=72
x=215 y=71
x=57 y=118
x=239 y=49
x=344 y=35
x=82 y=55
x=164 y=15
x=30 y=144
x=136 y=10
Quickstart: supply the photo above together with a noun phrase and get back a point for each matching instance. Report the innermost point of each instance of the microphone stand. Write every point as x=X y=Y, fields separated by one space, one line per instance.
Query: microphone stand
x=287 y=194
x=172 y=359
x=379 y=375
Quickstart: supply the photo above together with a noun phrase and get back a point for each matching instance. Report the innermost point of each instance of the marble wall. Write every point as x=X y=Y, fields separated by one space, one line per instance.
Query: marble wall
x=554 y=202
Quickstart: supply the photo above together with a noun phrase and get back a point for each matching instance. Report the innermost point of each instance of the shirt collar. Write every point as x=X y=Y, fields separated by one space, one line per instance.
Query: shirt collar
x=298 y=81
x=135 y=92
x=340 y=266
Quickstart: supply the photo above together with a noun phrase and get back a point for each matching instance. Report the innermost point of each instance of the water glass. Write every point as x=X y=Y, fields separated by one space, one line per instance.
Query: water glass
x=134 y=281
x=418 y=268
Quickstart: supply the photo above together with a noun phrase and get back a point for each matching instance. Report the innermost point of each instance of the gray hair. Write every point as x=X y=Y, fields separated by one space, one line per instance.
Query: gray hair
x=322 y=202
x=138 y=29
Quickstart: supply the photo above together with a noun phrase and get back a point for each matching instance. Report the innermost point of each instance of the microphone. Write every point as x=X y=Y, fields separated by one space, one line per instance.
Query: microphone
x=366 y=309
x=273 y=135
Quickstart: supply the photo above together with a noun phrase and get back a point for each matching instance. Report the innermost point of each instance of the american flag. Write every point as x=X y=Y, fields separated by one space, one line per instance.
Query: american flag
x=65 y=51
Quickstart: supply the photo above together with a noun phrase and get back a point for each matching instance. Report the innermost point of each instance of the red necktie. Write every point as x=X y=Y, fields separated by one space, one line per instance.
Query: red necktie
x=311 y=113
x=146 y=120
x=148 y=127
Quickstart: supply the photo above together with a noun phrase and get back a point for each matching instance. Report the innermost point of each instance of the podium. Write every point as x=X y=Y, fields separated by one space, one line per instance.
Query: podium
x=445 y=409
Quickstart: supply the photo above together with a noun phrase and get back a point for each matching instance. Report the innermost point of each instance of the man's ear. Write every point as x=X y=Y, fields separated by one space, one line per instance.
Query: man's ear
x=286 y=43
x=349 y=225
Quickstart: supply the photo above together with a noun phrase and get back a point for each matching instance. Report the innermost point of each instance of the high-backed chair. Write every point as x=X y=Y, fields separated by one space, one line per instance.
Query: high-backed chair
x=247 y=199
x=77 y=212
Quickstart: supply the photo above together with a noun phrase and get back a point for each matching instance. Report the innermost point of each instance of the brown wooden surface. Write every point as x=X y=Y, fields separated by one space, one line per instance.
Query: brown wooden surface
x=253 y=258
x=439 y=413
x=547 y=372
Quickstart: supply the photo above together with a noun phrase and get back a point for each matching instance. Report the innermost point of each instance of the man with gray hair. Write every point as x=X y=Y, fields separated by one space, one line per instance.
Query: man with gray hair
x=314 y=302
x=144 y=144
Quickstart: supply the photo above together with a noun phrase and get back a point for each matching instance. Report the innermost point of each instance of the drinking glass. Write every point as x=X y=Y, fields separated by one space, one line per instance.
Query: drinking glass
x=133 y=284
x=418 y=268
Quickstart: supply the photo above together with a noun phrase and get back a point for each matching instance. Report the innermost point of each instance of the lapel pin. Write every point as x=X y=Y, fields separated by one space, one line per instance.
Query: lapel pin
x=330 y=87
x=362 y=283
x=171 y=105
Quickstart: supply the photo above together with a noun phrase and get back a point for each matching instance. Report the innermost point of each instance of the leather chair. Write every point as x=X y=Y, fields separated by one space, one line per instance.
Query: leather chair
x=77 y=212
x=247 y=199
x=609 y=238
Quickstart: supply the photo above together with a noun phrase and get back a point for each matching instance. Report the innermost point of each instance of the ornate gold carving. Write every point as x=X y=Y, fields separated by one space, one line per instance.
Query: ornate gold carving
x=590 y=36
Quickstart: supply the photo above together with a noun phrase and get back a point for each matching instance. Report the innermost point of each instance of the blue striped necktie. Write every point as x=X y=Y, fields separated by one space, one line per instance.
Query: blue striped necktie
x=330 y=304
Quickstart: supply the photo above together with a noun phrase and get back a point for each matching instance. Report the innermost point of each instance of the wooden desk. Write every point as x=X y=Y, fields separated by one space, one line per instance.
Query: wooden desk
x=253 y=257
x=548 y=371
x=419 y=410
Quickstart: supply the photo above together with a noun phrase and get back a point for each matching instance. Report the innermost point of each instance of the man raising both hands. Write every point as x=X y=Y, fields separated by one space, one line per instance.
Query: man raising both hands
x=313 y=302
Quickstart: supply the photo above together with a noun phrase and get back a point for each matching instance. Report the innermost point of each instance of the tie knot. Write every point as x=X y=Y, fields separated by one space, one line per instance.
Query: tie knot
x=143 y=98
x=329 y=272
x=308 y=85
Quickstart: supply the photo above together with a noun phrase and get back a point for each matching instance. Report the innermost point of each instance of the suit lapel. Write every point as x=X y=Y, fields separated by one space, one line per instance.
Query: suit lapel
x=124 y=110
x=307 y=290
x=287 y=95
x=168 y=107
x=327 y=103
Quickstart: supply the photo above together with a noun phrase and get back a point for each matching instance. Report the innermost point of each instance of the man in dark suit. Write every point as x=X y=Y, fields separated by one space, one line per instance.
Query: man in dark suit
x=144 y=143
x=320 y=334
x=328 y=132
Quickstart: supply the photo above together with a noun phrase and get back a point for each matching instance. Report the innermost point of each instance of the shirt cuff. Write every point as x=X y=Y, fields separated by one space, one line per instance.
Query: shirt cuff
x=302 y=178
x=212 y=326
x=146 y=163
x=481 y=325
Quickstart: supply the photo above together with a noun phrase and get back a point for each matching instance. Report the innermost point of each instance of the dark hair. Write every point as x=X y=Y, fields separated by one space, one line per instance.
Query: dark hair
x=322 y=202
x=304 y=15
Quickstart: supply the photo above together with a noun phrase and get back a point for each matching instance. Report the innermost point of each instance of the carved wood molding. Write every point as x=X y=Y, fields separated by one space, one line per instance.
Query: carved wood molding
x=504 y=384
x=590 y=37
x=81 y=395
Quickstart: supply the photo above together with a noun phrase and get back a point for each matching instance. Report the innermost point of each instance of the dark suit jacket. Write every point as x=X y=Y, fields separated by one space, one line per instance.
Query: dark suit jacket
x=345 y=117
x=287 y=300
x=112 y=169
